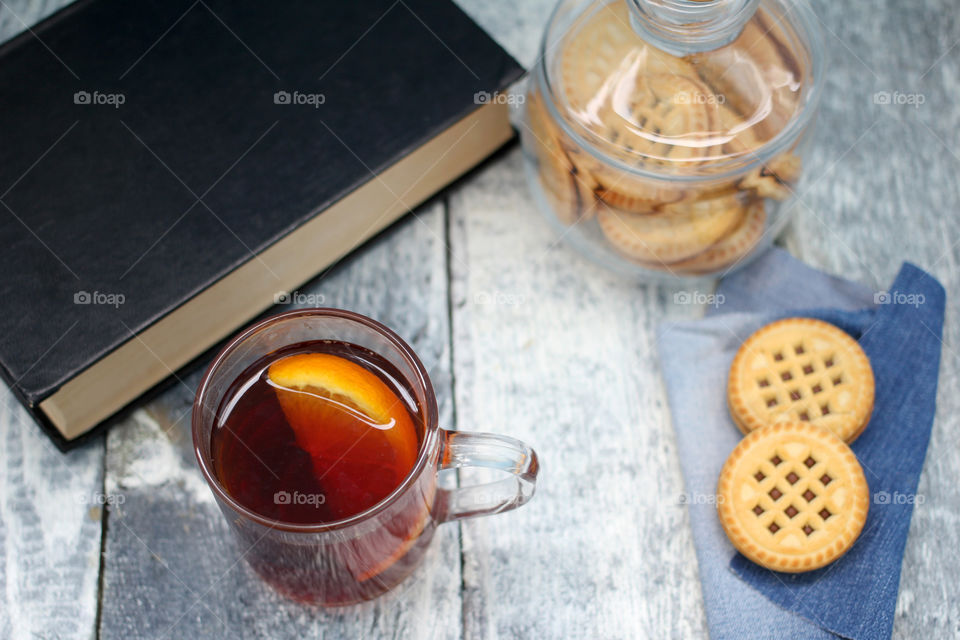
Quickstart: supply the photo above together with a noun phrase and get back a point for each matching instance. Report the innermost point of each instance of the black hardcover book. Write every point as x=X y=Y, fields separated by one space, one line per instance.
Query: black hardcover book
x=168 y=166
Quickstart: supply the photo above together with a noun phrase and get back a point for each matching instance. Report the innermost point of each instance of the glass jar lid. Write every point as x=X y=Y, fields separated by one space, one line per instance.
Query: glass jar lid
x=684 y=87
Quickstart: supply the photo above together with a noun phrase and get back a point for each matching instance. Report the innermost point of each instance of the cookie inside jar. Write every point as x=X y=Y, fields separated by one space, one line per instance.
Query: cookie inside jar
x=660 y=154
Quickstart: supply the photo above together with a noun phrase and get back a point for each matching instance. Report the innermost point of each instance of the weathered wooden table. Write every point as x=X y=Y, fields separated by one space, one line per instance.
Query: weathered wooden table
x=520 y=336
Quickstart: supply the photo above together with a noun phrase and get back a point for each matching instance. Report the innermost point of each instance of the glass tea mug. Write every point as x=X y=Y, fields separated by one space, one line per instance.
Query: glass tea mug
x=365 y=555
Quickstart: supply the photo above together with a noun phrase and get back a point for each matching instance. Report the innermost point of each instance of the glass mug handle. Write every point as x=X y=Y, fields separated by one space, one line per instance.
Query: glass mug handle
x=489 y=451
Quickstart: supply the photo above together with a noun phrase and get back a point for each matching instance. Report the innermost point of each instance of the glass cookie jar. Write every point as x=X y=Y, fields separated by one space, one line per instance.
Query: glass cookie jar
x=665 y=138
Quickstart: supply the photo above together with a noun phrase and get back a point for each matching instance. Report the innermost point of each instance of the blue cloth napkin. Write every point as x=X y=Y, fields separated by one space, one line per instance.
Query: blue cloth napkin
x=854 y=597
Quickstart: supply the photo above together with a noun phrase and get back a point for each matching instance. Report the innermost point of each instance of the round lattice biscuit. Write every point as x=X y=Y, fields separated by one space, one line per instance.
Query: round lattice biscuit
x=775 y=179
x=747 y=75
x=583 y=181
x=664 y=125
x=665 y=119
x=633 y=193
x=604 y=53
x=801 y=370
x=665 y=238
x=764 y=40
x=637 y=194
x=566 y=185
x=713 y=190
x=739 y=138
x=709 y=205
x=792 y=497
x=731 y=247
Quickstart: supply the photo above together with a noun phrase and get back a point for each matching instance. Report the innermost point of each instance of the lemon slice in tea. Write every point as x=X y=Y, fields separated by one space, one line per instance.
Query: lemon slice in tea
x=356 y=429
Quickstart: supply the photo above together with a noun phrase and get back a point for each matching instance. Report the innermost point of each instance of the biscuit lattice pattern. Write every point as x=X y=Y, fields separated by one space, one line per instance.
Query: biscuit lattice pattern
x=663 y=113
x=800 y=379
x=795 y=494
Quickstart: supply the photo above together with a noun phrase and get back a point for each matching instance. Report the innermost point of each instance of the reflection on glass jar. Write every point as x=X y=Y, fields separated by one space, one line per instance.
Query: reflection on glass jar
x=664 y=137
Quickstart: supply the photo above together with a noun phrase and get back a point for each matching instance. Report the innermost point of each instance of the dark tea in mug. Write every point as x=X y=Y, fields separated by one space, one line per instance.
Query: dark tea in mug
x=318 y=432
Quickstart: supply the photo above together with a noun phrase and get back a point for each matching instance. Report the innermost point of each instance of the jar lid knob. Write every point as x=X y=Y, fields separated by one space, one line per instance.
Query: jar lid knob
x=681 y=27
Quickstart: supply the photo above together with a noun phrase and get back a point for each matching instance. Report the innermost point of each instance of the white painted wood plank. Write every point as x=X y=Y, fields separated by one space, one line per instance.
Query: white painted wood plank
x=49 y=502
x=171 y=567
x=50 y=518
x=516 y=26
x=555 y=351
x=18 y=15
